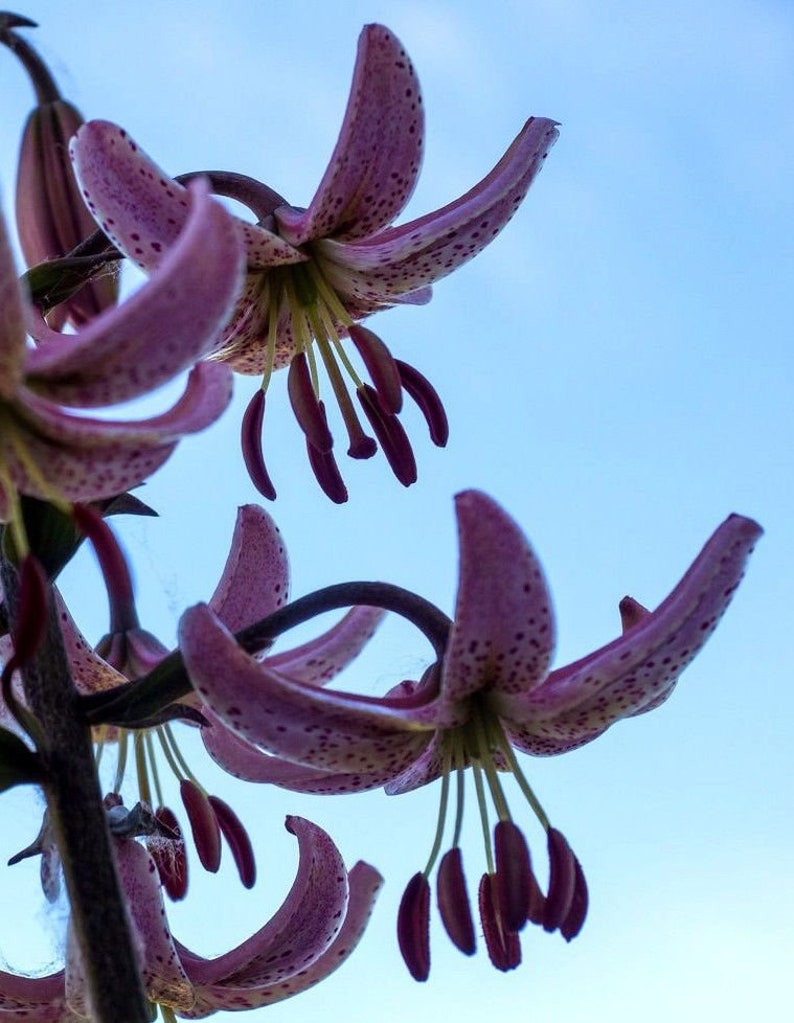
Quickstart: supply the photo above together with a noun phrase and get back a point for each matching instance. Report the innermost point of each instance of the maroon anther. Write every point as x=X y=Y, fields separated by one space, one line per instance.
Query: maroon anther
x=237 y=839
x=169 y=854
x=512 y=878
x=381 y=366
x=453 y=902
x=413 y=927
x=251 y=443
x=326 y=471
x=574 y=919
x=203 y=825
x=307 y=408
x=562 y=879
x=504 y=947
x=391 y=435
x=426 y=397
x=536 y=904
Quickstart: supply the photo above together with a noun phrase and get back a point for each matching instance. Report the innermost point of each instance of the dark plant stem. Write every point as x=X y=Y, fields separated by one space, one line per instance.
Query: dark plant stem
x=74 y=801
x=137 y=701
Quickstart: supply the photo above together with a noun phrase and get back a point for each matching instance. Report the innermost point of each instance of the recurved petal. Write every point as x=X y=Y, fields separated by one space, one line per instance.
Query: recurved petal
x=88 y=458
x=405 y=258
x=364 y=883
x=502 y=637
x=164 y=328
x=246 y=761
x=40 y=997
x=138 y=206
x=301 y=930
x=255 y=579
x=635 y=672
x=90 y=672
x=321 y=659
x=323 y=729
x=375 y=163
x=163 y=976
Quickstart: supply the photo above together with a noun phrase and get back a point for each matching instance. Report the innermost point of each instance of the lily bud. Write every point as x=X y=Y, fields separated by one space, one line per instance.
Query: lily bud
x=51 y=216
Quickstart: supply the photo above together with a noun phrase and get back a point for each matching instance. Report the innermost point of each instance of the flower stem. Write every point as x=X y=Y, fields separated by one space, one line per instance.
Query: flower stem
x=74 y=802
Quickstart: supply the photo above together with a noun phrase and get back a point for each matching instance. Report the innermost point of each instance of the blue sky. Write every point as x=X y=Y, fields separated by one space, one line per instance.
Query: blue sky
x=617 y=369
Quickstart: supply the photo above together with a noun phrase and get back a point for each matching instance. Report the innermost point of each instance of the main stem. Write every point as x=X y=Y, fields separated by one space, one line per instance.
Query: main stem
x=75 y=806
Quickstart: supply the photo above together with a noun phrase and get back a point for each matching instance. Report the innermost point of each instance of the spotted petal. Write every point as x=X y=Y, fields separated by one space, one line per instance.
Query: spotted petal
x=255 y=579
x=320 y=660
x=301 y=971
x=502 y=638
x=163 y=329
x=637 y=671
x=402 y=259
x=139 y=207
x=88 y=458
x=307 y=724
x=375 y=163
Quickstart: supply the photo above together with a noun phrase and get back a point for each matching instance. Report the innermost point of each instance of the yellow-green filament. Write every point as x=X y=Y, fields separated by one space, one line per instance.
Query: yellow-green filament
x=155 y=773
x=486 y=827
x=442 y=812
x=121 y=760
x=166 y=734
x=144 y=790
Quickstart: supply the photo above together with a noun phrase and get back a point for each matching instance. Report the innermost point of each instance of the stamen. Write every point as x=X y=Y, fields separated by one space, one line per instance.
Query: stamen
x=428 y=400
x=361 y=446
x=326 y=470
x=574 y=919
x=504 y=947
x=391 y=436
x=306 y=406
x=237 y=838
x=562 y=880
x=203 y=825
x=251 y=442
x=453 y=902
x=413 y=927
x=381 y=367
x=513 y=872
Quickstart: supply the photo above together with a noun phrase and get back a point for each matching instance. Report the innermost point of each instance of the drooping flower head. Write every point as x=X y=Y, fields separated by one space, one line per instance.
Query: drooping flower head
x=490 y=694
x=314 y=274
x=253 y=585
x=314 y=931
x=49 y=447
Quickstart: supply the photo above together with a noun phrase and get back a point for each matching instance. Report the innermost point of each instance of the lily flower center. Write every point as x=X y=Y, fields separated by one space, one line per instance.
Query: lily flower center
x=306 y=324
x=509 y=894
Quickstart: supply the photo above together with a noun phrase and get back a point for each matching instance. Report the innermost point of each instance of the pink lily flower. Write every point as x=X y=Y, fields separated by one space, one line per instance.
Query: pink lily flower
x=254 y=583
x=314 y=274
x=49 y=452
x=491 y=693
x=315 y=930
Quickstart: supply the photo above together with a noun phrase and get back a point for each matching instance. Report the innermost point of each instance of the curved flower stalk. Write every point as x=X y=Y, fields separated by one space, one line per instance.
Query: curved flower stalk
x=492 y=693
x=254 y=583
x=314 y=274
x=52 y=218
x=48 y=448
x=315 y=930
